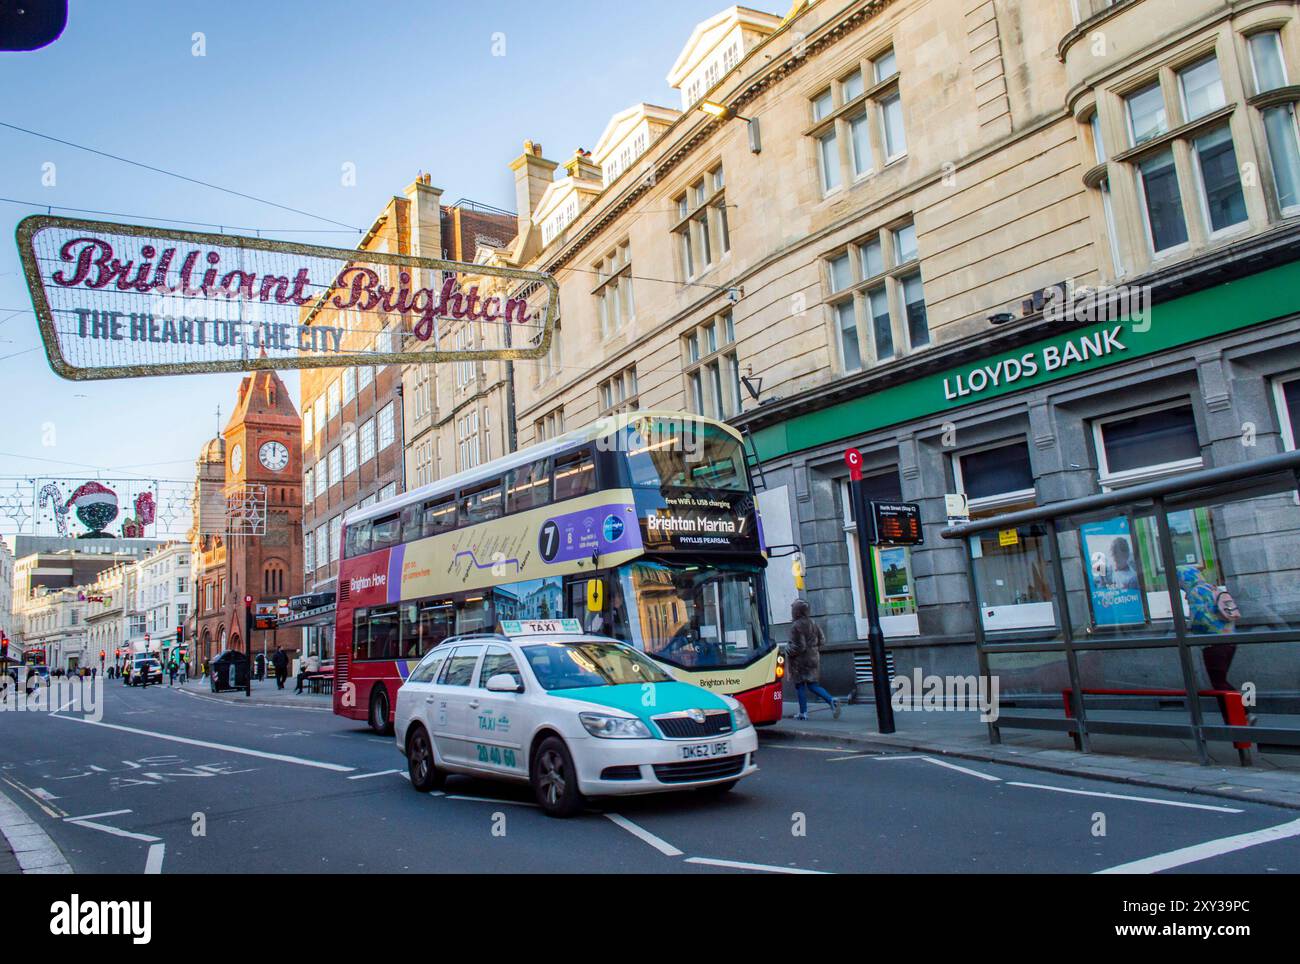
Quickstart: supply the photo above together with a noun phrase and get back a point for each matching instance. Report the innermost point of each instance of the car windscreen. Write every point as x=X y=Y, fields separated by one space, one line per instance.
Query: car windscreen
x=563 y=666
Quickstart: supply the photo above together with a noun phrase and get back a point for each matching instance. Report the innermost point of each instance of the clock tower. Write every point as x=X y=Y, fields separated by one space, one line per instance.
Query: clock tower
x=264 y=471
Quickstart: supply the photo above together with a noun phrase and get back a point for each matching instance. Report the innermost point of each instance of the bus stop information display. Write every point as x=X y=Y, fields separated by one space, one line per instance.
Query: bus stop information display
x=896 y=523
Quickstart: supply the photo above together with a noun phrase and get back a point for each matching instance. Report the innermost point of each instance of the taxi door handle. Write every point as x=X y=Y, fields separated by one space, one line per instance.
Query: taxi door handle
x=473 y=704
x=429 y=699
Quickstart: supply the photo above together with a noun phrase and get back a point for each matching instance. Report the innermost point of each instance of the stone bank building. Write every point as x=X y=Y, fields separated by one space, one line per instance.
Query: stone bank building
x=1019 y=251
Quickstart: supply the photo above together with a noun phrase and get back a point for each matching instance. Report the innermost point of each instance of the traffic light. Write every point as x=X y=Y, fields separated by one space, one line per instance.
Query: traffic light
x=180 y=635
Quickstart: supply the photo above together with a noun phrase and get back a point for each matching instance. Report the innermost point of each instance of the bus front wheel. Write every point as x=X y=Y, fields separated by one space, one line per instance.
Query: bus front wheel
x=379 y=711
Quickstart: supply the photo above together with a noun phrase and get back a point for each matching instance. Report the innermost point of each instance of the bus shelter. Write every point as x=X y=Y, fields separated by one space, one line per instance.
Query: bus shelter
x=1166 y=609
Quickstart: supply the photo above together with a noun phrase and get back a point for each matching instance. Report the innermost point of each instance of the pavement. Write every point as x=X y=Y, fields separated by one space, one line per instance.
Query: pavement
x=172 y=780
x=1161 y=763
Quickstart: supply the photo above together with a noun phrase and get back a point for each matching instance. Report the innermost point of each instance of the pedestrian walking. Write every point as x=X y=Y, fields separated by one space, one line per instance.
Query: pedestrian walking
x=1211 y=611
x=172 y=670
x=280 y=660
x=805 y=654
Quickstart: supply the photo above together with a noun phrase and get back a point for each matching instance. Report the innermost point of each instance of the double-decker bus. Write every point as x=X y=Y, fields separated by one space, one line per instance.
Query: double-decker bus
x=643 y=527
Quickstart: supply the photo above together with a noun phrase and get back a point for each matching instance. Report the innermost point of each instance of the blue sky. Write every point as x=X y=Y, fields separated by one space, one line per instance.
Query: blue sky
x=287 y=92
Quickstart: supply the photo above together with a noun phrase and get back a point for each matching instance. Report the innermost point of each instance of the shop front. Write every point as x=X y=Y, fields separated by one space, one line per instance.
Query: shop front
x=1050 y=410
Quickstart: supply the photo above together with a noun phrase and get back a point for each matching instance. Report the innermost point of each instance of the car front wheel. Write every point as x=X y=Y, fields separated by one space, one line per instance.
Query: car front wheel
x=555 y=779
x=425 y=775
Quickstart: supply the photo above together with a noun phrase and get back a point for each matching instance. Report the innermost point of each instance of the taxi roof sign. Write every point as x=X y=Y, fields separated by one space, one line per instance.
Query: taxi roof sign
x=534 y=627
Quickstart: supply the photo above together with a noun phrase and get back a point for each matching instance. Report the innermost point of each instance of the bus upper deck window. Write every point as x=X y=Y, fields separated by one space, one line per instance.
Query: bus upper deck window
x=575 y=474
x=481 y=503
x=439 y=515
x=358 y=539
x=528 y=486
x=387 y=532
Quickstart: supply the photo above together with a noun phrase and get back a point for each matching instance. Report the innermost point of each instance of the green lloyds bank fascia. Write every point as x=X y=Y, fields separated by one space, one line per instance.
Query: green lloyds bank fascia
x=1212 y=295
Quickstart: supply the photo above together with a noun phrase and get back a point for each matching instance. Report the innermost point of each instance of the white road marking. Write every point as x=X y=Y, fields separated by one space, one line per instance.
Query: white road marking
x=513 y=803
x=659 y=844
x=281 y=757
x=1203 y=851
x=875 y=756
x=44 y=794
x=742 y=865
x=153 y=863
x=800 y=746
x=966 y=770
x=92 y=816
x=1125 y=796
x=35 y=852
x=367 y=776
x=115 y=831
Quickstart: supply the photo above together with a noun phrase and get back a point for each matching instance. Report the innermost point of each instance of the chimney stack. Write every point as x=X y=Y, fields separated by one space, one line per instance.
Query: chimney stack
x=533 y=175
x=580 y=165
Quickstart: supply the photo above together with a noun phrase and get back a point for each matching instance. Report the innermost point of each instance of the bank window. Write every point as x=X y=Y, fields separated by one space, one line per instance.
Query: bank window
x=575 y=475
x=1011 y=566
x=996 y=478
x=711 y=367
x=1147 y=117
x=857 y=120
x=1162 y=202
x=878 y=297
x=613 y=292
x=702 y=231
x=1201 y=88
x=528 y=486
x=549 y=425
x=1286 y=395
x=1223 y=204
x=1145 y=445
x=895 y=586
x=619 y=393
x=1267 y=62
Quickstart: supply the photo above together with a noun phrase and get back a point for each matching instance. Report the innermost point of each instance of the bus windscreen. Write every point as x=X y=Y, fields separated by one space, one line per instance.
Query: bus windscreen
x=678 y=453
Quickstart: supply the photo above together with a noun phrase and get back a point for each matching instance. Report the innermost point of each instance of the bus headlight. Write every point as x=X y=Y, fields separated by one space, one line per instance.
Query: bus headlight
x=615 y=727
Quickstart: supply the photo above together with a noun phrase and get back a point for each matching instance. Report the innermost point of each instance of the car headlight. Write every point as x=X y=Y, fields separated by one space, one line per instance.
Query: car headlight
x=740 y=718
x=614 y=727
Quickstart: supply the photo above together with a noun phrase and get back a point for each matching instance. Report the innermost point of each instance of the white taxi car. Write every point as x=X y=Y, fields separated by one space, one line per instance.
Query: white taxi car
x=573 y=714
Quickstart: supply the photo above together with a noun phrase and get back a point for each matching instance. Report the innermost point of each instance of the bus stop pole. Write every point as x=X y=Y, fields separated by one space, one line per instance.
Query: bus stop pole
x=875 y=635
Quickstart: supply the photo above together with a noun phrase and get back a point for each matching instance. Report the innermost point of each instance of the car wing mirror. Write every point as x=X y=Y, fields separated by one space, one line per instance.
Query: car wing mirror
x=504 y=683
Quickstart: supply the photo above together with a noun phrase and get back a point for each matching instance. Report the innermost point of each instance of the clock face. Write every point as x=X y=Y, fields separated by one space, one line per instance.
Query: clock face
x=236 y=458
x=273 y=455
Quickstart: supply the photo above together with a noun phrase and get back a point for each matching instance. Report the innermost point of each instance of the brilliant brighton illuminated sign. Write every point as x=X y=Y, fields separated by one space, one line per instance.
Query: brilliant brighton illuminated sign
x=117 y=300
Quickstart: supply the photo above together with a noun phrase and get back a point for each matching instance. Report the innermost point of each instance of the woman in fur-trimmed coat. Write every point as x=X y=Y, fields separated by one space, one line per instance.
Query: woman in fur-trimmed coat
x=805 y=656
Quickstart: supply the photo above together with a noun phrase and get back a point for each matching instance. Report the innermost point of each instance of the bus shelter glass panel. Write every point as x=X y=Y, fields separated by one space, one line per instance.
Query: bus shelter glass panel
x=1029 y=681
x=1012 y=569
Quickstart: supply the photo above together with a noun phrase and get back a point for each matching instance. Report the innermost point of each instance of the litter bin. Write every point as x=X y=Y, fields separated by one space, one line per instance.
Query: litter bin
x=228 y=671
